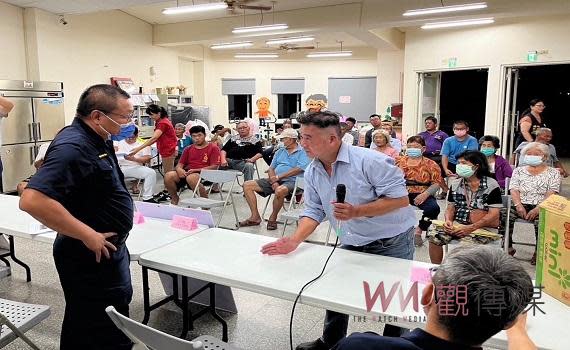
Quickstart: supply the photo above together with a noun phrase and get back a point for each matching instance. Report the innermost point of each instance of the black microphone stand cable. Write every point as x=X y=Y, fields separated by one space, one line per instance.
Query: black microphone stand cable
x=301 y=291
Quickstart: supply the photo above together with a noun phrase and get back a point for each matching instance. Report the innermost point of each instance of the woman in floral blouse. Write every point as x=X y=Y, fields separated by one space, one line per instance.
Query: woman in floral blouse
x=423 y=180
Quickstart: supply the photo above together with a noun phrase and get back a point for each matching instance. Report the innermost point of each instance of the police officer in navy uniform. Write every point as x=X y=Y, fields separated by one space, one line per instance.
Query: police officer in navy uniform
x=80 y=193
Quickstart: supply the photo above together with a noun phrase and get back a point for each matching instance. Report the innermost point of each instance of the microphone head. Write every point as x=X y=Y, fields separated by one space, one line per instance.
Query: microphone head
x=340 y=193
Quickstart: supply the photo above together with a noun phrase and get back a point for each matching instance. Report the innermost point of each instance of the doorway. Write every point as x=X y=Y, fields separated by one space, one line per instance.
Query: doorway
x=548 y=83
x=454 y=95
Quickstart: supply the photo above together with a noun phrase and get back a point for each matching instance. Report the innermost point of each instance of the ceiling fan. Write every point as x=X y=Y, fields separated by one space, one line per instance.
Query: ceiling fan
x=234 y=6
x=293 y=47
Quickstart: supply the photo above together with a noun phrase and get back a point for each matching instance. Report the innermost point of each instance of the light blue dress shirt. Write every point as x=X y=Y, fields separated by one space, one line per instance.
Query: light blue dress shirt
x=368 y=175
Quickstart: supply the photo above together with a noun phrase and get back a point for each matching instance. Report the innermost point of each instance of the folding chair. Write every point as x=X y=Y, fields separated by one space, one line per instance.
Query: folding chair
x=17 y=318
x=139 y=195
x=507 y=201
x=219 y=177
x=294 y=214
x=145 y=337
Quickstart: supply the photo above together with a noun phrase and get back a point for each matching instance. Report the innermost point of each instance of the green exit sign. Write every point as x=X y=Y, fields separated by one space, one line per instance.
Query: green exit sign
x=531 y=56
x=452 y=62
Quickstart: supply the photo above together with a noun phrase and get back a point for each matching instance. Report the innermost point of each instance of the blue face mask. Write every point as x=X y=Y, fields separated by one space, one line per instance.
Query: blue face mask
x=488 y=151
x=127 y=130
x=532 y=160
x=414 y=152
x=464 y=170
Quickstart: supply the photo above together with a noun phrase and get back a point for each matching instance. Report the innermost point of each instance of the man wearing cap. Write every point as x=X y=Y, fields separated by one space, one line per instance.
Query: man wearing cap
x=289 y=162
x=220 y=134
x=242 y=151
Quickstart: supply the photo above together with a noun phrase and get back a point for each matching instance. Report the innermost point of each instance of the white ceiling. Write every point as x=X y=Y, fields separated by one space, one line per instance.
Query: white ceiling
x=79 y=6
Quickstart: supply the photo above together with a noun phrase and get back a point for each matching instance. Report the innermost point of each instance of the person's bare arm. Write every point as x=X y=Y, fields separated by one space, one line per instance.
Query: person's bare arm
x=445 y=164
x=6 y=105
x=517 y=337
x=289 y=173
x=155 y=136
x=525 y=125
x=255 y=158
x=54 y=215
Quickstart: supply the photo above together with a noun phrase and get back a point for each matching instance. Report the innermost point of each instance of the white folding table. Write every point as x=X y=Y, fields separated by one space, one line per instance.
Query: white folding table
x=233 y=258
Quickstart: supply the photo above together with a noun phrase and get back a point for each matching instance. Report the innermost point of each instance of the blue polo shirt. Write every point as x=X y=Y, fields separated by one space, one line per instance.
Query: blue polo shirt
x=452 y=147
x=283 y=161
x=81 y=172
x=414 y=340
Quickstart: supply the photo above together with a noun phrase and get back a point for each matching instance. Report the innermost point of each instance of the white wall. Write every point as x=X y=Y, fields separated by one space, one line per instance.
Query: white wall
x=492 y=47
x=390 y=78
x=186 y=73
x=12 y=43
x=316 y=74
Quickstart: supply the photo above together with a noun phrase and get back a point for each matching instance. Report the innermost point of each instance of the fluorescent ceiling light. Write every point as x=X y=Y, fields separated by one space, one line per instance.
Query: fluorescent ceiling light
x=469 y=22
x=195 y=8
x=298 y=39
x=264 y=28
x=443 y=9
x=231 y=45
x=330 y=54
x=256 y=55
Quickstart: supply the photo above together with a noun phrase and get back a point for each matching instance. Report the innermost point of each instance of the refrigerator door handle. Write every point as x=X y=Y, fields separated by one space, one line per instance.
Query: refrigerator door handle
x=39 y=132
x=34 y=131
x=30 y=131
x=31 y=155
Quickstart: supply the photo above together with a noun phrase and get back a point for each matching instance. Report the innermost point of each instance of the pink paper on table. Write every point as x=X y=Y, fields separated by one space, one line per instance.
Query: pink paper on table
x=138 y=218
x=421 y=274
x=184 y=223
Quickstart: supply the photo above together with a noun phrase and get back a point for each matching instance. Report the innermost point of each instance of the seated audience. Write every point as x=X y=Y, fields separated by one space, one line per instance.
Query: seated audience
x=220 y=135
x=477 y=270
x=474 y=201
x=200 y=155
x=394 y=141
x=345 y=134
x=351 y=123
x=544 y=136
x=183 y=140
x=242 y=151
x=531 y=183
x=134 y=166
x=499 y=168
x=288 y=163
x=381 y=143
x=423 y=180
x=38 y=161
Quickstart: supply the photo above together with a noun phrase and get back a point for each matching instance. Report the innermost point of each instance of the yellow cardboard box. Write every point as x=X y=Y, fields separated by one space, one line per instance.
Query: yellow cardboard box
x=553 y=260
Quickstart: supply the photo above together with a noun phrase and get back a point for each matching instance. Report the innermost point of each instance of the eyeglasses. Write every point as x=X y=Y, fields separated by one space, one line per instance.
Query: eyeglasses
x=126 y=117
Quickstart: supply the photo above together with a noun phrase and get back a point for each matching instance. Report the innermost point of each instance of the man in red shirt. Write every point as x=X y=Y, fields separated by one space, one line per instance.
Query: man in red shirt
x=200 y=155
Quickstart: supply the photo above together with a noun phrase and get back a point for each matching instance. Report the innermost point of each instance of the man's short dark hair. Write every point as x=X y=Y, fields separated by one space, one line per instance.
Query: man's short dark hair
x=322 y=120
x=374 y=115
x=196 y=129
x=432 y=118
x=351 y=119
x=457 y=122
x=482 y=271
x=100 y=97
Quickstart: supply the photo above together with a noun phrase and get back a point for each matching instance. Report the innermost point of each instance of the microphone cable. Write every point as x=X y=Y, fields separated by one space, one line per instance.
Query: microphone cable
x=301 y=291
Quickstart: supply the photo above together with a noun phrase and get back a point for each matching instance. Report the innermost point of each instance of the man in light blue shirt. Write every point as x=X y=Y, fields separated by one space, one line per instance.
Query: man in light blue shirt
x=288 y=162
x=375 y=218
x=454 y=146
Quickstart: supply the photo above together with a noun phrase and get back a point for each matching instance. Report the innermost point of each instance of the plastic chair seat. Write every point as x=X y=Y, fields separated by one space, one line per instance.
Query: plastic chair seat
x=22 y=315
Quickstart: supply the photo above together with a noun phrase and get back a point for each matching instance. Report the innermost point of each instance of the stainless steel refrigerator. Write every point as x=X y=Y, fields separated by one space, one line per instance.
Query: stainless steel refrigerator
x=37 y=116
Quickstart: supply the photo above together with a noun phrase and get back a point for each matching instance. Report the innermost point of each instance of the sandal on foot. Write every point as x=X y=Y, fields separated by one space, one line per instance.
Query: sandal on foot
x=272 y=225
x=249 y=222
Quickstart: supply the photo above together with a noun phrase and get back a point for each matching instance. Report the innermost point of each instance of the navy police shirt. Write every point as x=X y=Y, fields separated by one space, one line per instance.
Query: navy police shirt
x=81 y=172
x=414 y=340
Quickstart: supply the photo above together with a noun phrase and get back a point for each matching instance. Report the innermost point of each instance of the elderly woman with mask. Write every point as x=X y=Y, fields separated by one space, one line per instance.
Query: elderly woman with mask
x=531 y=183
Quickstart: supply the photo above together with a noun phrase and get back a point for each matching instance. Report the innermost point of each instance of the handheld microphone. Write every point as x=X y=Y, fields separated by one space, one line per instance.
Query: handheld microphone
x=340 y=197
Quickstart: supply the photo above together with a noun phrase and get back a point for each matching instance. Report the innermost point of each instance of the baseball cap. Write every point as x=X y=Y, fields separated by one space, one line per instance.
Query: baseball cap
x=292 y=133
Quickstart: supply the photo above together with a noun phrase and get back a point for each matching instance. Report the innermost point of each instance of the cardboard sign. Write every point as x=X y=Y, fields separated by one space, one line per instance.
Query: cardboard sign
x=553 y=258
x=184 y=223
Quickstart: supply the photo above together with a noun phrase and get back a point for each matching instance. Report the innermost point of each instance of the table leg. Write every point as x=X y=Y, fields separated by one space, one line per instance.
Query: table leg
x=215 y=314
x=146 y=295
x=18 y=261
x=185 y=306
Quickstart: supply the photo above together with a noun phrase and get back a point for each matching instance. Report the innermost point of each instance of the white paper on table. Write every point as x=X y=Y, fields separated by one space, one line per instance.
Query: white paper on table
x=37 y=228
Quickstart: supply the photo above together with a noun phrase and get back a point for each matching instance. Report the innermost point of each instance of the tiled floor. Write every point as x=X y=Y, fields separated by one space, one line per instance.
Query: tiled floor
x=261 y=323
